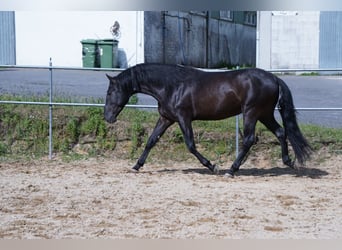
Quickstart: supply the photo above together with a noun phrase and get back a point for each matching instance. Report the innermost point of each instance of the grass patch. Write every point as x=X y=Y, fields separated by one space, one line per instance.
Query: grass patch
x=310 y=74
x=80 y=132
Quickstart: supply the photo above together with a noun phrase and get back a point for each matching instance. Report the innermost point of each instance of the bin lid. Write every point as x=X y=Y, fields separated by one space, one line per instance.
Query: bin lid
x=107 y=41
x=89 y=41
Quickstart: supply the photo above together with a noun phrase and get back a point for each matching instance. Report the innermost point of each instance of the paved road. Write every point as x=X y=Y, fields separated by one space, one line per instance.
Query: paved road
x=308 y=91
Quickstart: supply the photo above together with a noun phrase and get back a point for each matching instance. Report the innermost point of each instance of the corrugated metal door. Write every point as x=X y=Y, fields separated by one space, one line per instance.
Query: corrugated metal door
x=330 y=48
x=7 y=38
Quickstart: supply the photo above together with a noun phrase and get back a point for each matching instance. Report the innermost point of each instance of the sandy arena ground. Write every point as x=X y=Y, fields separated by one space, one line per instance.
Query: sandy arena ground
x=99 y=198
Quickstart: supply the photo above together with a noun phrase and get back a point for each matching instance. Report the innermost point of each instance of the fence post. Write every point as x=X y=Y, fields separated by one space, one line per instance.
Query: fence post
x=237 y=135
x=50 y=111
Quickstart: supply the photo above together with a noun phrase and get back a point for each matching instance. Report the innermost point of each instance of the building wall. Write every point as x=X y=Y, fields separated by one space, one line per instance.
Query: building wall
x=57 y=34
x=288 y=39
x=263 y=41
x=232 y=43
x=330 y=51
x=191 y=38
x=7 y=38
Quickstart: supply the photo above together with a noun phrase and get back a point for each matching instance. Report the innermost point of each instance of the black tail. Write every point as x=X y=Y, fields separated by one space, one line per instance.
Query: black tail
x=287 y=111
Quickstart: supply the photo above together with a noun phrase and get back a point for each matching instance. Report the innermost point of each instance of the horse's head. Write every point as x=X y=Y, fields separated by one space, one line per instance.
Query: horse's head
x=116 y=99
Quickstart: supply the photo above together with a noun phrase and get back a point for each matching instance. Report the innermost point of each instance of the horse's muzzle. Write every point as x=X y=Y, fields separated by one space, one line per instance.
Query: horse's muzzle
x=110 y=118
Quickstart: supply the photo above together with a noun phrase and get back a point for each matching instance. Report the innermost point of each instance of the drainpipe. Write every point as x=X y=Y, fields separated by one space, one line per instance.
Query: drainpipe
x=164 y=34
x=207 y=49
x=257 y=56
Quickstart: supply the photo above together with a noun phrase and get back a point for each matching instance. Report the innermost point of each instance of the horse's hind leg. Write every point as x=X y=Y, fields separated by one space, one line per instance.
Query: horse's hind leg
x=158 y=131
x=248 y=141
x=279 y=132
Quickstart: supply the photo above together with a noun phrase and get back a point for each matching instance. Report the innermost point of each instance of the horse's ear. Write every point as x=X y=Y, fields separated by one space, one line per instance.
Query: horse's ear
x=109 y=77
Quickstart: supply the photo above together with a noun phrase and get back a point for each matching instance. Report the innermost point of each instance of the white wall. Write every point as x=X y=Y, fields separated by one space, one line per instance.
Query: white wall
x=263 y=41
x=57 y=34
x=288 y=39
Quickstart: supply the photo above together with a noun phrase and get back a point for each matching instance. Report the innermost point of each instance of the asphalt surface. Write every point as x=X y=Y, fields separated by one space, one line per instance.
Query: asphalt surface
x=85 y=86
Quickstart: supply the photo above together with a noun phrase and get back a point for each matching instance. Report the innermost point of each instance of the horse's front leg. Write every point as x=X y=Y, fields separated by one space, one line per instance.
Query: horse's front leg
x=190 y=143
x=162 y=124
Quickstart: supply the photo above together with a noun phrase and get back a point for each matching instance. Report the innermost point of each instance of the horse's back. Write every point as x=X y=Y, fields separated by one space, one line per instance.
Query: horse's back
x=225 y=94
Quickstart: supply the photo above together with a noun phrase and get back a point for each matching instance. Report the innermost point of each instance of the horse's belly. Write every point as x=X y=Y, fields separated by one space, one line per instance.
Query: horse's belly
x=217 y=109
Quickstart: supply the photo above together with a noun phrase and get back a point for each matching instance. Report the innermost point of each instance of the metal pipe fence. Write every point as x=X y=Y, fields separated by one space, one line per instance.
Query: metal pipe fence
x=51 y=103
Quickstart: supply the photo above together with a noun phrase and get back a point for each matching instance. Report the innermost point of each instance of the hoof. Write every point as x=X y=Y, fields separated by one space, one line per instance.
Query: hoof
x=288 y=162
x=133 y=170
x=229 y=174
x=216 y=169
x=291 y=164
x=136 y=167
x=295 y=166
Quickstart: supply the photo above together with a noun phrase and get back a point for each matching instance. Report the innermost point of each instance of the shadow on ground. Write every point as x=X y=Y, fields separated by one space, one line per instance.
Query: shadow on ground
x=261 y=172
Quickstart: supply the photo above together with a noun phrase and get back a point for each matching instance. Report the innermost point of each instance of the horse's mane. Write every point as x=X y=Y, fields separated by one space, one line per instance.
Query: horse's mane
x=153 y=72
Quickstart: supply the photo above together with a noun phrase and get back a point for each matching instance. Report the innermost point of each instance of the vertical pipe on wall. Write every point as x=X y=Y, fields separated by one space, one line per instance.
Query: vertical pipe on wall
x=164 y=35
x=137 y=35
x=257 y=39
x=207 y=51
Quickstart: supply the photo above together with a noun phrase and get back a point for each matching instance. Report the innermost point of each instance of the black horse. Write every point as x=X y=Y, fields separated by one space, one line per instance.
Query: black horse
x=185 y=94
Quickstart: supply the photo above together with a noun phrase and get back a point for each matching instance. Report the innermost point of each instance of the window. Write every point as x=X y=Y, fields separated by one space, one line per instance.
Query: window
x=226 y=15
x=200 y=13
x=250 y=18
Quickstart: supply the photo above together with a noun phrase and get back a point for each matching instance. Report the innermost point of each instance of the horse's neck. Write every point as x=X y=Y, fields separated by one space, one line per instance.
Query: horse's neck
x=152 y=88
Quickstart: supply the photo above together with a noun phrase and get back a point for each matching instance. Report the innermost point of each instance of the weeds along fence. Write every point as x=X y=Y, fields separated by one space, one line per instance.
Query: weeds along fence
x=51 y=102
